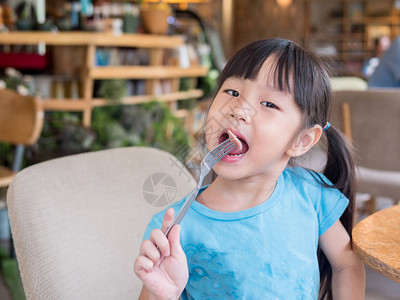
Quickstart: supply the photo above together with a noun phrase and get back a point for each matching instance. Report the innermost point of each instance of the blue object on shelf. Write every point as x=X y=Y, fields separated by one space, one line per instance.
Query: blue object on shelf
x=4 y=224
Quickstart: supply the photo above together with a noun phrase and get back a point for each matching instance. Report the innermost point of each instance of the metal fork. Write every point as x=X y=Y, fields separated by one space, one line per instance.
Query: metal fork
x=206 y=165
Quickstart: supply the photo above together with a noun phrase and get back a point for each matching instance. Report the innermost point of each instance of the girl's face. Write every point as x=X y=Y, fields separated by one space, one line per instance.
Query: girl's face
x=267 y=120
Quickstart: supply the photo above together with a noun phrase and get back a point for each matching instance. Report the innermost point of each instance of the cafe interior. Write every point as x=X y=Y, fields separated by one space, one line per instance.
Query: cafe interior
x=102 y=110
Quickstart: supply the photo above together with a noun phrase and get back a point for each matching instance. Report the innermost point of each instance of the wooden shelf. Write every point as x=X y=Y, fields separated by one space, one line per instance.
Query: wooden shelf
x=143 y=72
x=379 y=20
x=152 y=73
x=340 y=37
x=81 y=104
x=148 y=98
x=65 y=104
x=78 y=38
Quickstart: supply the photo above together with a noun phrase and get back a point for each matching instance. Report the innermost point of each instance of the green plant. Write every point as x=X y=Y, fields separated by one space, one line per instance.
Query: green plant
x=209 y=83
x=62 y=134
x=155 y=6
x=113 y=89
x=14 y=80
x=6 y=154
x=26 y=10
x=11 y=275
x=148 y=124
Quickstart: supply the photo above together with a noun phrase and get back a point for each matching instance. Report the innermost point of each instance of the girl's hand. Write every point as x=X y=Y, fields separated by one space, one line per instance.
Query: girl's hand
x=164 y=271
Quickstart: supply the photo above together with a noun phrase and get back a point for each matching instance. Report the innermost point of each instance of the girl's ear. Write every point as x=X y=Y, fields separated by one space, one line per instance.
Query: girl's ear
x=305 y=141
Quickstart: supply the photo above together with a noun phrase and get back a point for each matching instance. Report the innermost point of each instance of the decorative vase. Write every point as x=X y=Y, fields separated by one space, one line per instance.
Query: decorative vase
x=155 y=21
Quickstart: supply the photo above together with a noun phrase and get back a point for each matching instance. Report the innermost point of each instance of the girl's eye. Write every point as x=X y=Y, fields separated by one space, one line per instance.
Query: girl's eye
x=232 y=93
x=268 y=104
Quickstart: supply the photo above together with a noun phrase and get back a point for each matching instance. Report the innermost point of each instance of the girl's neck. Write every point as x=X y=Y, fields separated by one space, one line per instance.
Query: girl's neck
x=236 y=195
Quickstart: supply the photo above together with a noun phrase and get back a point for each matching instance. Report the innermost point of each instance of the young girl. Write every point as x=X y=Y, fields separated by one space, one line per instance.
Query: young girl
x=262 y=229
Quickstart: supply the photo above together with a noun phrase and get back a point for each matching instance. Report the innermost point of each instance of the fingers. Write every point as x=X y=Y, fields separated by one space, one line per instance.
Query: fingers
x=142 y=266
x=158 y=245
x=158 y=238
x=174 y=241
x=168 y=219
x=151 y=251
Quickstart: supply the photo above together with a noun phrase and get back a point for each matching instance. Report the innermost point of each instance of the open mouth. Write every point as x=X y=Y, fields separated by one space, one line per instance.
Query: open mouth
x=235 y=152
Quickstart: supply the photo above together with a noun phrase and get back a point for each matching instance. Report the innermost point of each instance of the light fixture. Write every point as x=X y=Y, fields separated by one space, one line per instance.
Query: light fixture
x=284 y=3
x=178 y=1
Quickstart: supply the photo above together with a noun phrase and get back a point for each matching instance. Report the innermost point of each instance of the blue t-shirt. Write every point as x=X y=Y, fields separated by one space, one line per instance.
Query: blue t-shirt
x=266 y=252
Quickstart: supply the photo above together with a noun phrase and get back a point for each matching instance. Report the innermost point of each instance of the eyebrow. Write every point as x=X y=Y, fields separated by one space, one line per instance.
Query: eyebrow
x=278 y=90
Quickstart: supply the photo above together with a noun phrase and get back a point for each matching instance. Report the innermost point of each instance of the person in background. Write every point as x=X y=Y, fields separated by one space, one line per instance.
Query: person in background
x=387 y=73
x=381 y=44
x=264 y=228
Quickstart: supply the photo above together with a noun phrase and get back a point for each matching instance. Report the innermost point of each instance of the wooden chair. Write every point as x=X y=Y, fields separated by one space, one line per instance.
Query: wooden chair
x=21 y=122
x=371 y=120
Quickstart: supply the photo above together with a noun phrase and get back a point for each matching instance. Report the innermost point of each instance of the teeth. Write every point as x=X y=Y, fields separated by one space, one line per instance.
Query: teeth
x=241 y=154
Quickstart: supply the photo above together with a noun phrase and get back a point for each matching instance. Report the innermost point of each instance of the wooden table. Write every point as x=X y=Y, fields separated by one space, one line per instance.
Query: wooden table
x=376 y=240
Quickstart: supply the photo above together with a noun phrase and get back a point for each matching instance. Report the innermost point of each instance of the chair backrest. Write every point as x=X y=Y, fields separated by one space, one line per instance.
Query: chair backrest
x=371 y=119
x=21 y=118
x=348 y=83
x=78 y=221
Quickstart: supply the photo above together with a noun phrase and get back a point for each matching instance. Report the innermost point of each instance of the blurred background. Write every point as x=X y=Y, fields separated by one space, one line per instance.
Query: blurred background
x=143 y=73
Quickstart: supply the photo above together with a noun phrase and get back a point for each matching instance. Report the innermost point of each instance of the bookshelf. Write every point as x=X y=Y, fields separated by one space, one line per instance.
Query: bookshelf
x=152 y=73
x=346 y=29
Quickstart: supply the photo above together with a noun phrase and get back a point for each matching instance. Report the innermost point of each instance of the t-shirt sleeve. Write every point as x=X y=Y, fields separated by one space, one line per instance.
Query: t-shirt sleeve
x=329 y=206
x=332 y=205
x=329 y=203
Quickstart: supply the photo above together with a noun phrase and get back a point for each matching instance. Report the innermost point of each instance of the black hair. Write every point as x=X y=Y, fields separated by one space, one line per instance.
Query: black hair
x=306 y=76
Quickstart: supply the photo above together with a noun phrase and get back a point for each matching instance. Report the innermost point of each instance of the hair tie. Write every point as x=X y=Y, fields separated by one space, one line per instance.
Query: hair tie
x=327 y=125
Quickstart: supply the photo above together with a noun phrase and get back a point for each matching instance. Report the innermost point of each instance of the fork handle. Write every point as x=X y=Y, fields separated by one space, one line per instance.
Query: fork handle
x=185 y=207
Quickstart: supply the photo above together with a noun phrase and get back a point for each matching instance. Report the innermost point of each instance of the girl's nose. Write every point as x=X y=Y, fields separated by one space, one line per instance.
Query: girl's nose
x=237 y=116
x=237 y=111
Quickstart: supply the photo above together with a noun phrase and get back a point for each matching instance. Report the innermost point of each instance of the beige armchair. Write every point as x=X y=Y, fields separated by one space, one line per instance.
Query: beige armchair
x=78 y=221
x=371 y=120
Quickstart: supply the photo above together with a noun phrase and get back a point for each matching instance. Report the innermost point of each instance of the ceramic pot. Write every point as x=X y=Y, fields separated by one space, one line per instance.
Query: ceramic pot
x=155 y=21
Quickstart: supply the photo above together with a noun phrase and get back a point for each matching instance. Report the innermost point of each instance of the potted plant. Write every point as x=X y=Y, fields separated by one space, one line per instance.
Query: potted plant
x=25 y=13
x=154 y=17
x=131 y=18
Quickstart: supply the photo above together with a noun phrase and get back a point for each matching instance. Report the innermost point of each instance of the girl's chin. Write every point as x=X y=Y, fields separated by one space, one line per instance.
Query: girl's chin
x=231 y=171
x=229 y=176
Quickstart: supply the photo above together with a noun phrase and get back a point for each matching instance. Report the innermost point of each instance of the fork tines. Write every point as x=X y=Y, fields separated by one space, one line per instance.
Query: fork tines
x=221 y=150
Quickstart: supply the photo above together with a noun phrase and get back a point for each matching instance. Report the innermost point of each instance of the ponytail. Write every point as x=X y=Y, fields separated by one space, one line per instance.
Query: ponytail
x=339 y=167
x=340 y=171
